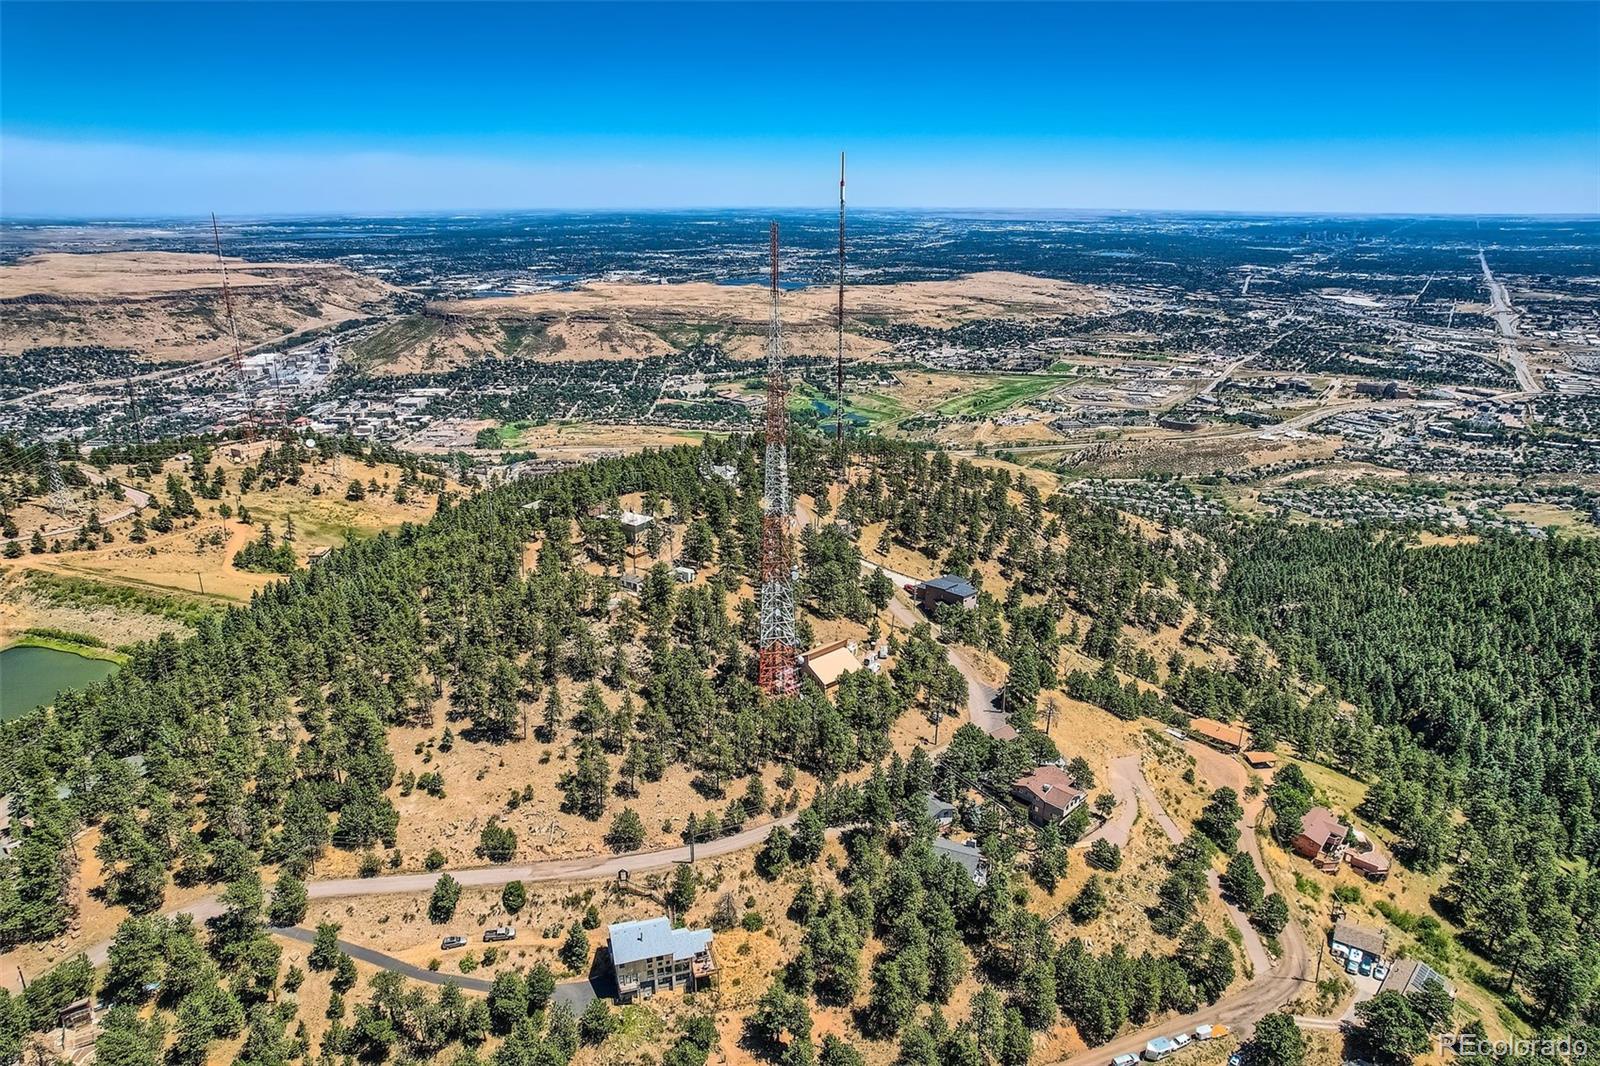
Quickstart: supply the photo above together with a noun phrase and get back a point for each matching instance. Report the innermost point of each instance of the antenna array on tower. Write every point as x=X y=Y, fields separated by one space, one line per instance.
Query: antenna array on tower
x=779 y=642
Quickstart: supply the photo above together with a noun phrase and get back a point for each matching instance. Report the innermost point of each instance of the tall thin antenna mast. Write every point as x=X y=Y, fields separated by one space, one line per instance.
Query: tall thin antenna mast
x=838 y=370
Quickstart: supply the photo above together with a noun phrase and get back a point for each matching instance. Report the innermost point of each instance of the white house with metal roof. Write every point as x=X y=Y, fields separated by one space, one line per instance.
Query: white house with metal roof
x=649 y=955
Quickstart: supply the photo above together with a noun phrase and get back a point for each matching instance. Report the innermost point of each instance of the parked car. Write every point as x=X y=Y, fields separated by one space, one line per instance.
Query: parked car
x=499 y=932
x=1125 y=1060
x=450 y=943
x=1181 y=1039
x=1236 y=1059
x=1352 y=966
x=1366 y=967
x=1380 y=971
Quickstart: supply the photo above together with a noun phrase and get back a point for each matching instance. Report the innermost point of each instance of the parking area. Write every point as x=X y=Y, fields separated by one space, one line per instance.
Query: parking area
x=1366 y=985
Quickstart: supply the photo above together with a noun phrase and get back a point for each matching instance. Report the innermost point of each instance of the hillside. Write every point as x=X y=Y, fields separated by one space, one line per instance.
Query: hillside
x=167 y=307
x=472 y=698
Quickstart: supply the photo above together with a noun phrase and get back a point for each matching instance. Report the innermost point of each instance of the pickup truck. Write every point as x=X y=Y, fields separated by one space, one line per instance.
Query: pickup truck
x=1210 y=1032
x=1129 y=1059
x=499 y=932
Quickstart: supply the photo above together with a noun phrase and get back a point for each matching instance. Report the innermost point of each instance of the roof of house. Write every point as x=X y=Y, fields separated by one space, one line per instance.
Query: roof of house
x=1410 y=975
x=1260 y=758
x=937 y=808
x=831 y=662
x=956 y=586
x=634 y=518
x=651 y=938
x=1374 y=861
x=1321 y=825
x=1006 y=731
x=1050 y=783
x=1351 y=935
x=1231 y=733
x=969 y=857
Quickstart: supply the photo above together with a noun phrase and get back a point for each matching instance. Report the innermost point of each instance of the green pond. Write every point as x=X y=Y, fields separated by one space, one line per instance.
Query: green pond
x=32 y=676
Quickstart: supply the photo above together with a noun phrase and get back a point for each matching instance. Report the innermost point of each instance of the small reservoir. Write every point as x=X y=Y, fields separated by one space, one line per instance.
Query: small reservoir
x=30 y=676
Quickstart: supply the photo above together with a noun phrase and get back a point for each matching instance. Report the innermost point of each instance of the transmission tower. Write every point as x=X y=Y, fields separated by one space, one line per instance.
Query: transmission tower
x=61 y=500
x=778 y=641
x=838 y=369
x=236 y=356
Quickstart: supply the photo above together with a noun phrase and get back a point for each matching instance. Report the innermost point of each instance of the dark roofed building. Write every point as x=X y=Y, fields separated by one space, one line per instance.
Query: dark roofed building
x=966 y=856
x=1412 y=975
x=943 y=813
x=947 y=589
x=1353 y=937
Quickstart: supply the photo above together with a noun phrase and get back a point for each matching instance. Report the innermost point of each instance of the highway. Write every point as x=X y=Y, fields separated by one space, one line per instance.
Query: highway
x=1505 y=319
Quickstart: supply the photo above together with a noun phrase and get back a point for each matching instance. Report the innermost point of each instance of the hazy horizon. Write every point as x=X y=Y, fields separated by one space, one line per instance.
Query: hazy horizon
x=295 y=110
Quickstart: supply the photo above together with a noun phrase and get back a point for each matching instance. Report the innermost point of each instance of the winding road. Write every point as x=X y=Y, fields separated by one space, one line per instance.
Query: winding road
x=1274 y=984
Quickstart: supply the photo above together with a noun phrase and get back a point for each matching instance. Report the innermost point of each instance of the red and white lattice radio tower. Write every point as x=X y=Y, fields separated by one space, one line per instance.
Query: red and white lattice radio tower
x=778 y=640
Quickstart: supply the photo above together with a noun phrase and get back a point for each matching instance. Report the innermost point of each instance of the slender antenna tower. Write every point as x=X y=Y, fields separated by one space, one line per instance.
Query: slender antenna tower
x=779 y=643
x=838 y=369
x=236 y=357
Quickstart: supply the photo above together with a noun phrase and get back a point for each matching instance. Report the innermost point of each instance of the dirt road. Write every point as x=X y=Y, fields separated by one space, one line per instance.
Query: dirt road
x=1273 y=985
x=1124 y=779
x=981 y=696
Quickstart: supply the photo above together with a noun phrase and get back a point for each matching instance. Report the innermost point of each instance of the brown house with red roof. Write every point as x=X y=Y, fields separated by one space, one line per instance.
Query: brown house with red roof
x=1049 y=793
x=1321 y=833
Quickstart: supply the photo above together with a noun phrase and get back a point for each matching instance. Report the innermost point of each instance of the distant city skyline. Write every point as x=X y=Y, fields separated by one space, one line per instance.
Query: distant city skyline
x=130 y=110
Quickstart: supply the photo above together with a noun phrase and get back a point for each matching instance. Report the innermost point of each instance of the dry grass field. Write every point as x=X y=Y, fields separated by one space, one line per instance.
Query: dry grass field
x=167 y=306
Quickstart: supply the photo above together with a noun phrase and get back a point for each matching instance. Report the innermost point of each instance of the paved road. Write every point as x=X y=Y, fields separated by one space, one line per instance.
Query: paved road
x=137 y=501
x=576 y=994
x=1505 y=318
x=582 y=868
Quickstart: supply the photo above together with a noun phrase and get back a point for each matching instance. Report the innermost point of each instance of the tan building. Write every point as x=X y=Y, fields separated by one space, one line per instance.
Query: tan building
x=649 y=956
x=1229 y=735
x=828 y=664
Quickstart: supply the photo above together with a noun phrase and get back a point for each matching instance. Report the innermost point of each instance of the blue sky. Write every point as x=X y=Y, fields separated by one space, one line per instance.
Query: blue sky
x=132 y=109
